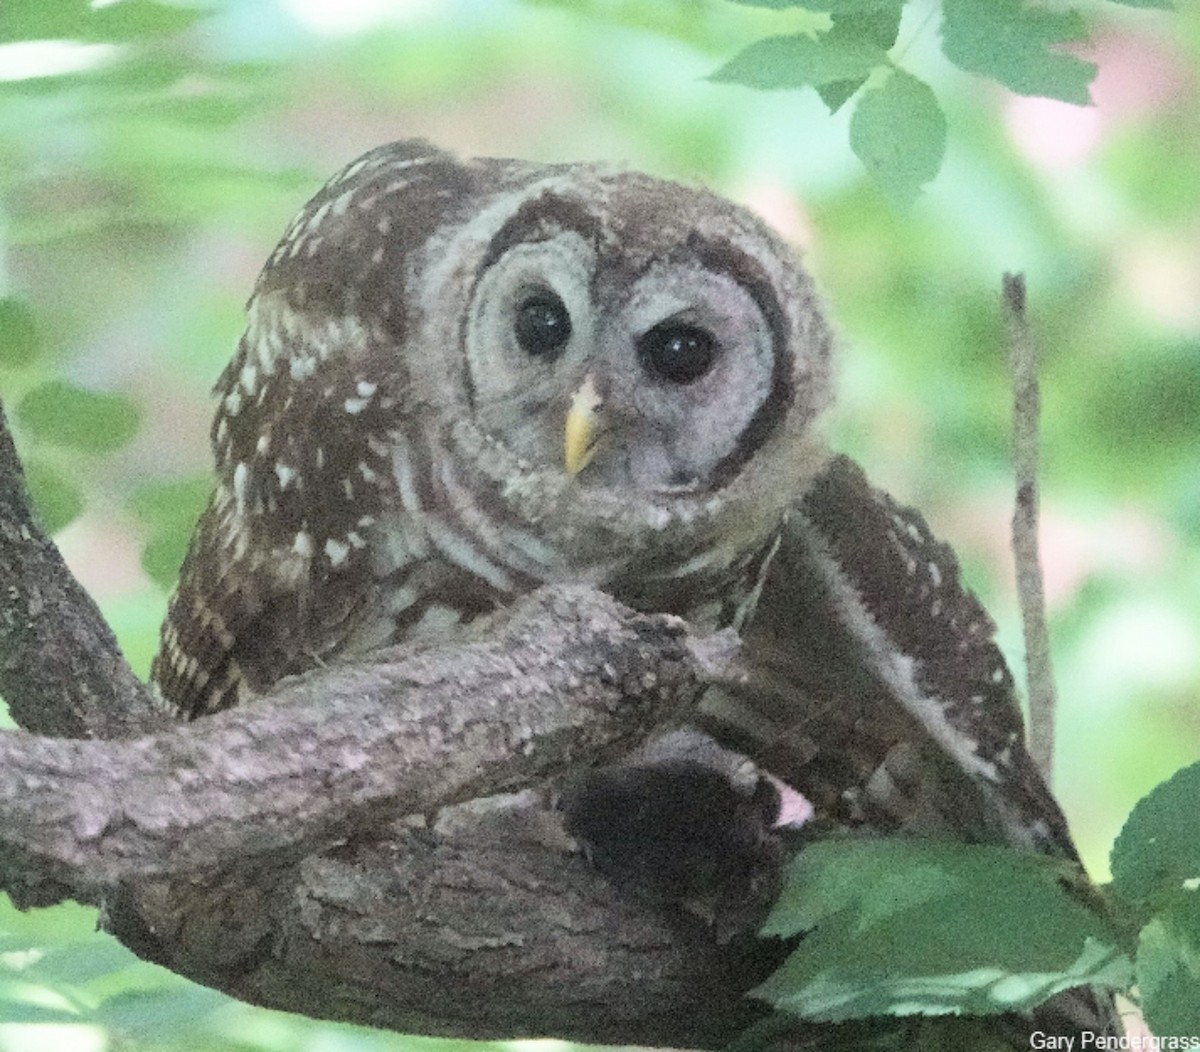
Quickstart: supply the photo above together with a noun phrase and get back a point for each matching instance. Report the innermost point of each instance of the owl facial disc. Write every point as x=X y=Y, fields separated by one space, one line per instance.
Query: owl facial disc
x=642 y=338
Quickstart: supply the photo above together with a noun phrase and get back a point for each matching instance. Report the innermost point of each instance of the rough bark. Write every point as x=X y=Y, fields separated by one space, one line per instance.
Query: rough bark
x=61 y=670
x=317 y=851
x=566 y=680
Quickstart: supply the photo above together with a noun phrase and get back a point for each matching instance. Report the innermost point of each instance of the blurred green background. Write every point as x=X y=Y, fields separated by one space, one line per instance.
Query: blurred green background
x=148 y=166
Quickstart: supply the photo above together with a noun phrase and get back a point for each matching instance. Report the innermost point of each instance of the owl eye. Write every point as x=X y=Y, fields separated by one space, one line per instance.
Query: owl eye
x=542 y=326
x=677 y=352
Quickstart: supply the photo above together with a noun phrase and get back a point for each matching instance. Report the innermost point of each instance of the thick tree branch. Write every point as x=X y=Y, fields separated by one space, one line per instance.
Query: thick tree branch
x=487 y=930
x=251 y=851
x=61 y=670
x=570 y=678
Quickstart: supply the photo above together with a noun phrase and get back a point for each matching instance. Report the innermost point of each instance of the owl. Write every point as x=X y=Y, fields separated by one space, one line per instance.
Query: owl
x=462 y=380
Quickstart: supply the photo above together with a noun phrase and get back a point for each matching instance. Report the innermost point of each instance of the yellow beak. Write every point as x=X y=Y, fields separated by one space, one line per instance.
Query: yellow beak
x=582 y=430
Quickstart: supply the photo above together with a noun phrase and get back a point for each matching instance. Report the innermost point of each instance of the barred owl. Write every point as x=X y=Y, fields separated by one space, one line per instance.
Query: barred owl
x=463 y=379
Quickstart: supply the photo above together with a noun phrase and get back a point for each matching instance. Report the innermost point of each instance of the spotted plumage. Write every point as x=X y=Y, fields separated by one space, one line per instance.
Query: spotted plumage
x=462 y=380
x=389 y=434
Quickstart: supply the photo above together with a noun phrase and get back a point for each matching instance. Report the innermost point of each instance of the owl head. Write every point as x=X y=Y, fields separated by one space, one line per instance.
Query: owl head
x=628 y=368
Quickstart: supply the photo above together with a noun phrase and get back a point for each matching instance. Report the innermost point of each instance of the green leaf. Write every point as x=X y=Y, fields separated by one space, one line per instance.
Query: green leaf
x=144 y=1015
x=908 y=926
x=878 y=27
x=67 y=415
x=19 y=340
x=1010 y=42
x=1158 y=850
x=898 y=131
x=800 y=61
x=137 y=19
x=56 y=500
x=78 y=963
x=26 y=1012
x=37 y=20
x=1168 y=968
x=171 y=510
x=79 y=20
x=837 y=93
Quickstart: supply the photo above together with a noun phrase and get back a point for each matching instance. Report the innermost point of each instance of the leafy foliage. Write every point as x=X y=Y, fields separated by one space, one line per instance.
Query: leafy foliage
x=169 y=509
x=907 y=927
x=20 y=343
x=65 y=415
x=1157 y=854
x=1168 y=968
x=57 y=500
x=801 y=61
x=899 y=131
x=923 y=927
x=1156 y=863
x=1013 y=44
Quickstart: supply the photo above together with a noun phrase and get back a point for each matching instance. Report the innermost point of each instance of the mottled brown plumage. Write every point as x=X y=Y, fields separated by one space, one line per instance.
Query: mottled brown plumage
x=390 y=458
x=461 y=380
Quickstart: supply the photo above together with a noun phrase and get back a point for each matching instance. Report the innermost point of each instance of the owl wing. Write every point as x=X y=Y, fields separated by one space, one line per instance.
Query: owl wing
x=876 y=687
x=312 y=411
x=279 y=567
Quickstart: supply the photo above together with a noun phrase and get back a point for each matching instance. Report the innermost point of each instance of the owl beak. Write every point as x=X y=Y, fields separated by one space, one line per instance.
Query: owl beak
x=583 y=427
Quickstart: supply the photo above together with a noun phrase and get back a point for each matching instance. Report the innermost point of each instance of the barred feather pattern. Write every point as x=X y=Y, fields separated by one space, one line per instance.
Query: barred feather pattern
x=355 y=506
x=357 y=502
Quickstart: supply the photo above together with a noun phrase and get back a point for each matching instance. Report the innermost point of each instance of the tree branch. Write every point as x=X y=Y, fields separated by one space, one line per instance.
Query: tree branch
x=1039 y=673
x=567 y=679
x=61 y=670
x=486 y=931
x=252 y=851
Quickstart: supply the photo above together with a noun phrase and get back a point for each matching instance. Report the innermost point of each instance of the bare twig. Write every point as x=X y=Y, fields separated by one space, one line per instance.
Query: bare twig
x=1030 y=591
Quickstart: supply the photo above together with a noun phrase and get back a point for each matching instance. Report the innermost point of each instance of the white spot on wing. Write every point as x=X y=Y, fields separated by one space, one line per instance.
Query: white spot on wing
x=302 y=368
x=241 y=476
x=303 y=544
x=350 y=171
x=318 y=217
